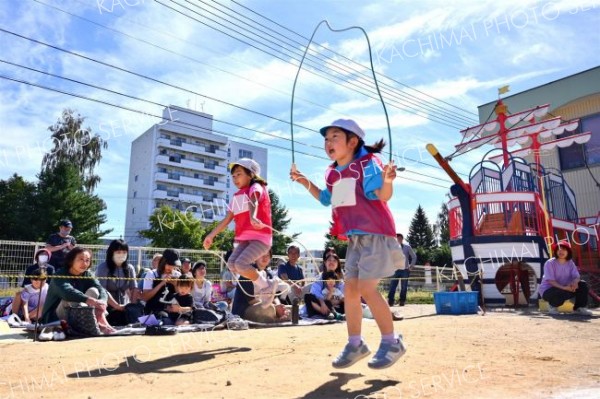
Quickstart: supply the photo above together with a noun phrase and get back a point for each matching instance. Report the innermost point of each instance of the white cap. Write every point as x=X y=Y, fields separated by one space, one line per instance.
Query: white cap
x=346 y=124
x=247 y=163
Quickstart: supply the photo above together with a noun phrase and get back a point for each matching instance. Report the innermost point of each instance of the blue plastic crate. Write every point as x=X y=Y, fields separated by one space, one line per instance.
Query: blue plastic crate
x=456 y=302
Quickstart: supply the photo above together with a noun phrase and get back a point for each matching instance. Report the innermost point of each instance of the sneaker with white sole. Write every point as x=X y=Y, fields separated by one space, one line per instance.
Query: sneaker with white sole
x=552 y=309
x=266 y=295
x=387 y=354
x=350 y=355
x=58 y=335
x=47 y=334
x=14 y=320
x=583 y=312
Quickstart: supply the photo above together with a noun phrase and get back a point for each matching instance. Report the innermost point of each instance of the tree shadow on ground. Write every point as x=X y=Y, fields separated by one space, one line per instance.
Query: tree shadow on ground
x=333 y=389
x=134 y=365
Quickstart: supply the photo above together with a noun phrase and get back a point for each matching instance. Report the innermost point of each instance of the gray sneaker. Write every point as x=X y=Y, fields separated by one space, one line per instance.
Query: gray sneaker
x=350 y=355
x=552 y=309
x=583 y=312
x=387 y=354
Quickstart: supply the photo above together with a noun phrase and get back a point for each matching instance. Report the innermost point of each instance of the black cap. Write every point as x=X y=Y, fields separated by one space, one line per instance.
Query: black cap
x=171 y=257
x=186 y=260
x=66 y=223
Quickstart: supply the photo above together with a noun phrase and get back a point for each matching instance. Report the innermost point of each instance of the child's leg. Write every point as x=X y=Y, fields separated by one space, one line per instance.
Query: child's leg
x=377 y=305
x=355 y=349
x=264 y=289
x=353 y=310
x=391 y=347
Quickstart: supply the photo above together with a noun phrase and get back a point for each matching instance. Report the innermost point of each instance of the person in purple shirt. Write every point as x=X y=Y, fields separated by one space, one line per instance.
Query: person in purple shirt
x=561 y=281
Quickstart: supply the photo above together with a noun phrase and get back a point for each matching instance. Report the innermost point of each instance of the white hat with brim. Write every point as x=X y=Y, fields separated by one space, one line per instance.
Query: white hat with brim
x=346 y=124
x=247 y=163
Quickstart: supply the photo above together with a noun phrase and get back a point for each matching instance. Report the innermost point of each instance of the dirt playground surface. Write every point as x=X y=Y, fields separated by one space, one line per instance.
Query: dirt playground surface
x=504 y=354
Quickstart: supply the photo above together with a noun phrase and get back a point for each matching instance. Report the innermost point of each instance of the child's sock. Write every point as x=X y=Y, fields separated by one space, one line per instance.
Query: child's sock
x=389 y=338
x=261 y=281
x=355 y=340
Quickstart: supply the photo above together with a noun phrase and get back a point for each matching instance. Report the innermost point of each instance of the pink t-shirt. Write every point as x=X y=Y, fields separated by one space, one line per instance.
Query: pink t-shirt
x=240 y=207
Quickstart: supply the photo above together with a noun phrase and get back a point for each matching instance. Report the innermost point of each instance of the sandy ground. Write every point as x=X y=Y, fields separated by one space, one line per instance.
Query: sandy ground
x=504 y=354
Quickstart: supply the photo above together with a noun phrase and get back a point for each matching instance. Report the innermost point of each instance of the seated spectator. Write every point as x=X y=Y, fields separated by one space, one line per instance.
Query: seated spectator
x=116 y=275
x=315 y=301
x=41 y=263
x=202 y=290
x=182 y=306
x=159 y=288
x=33 y=297
x=248 y=307
x=228 y=284
x=561 y=281
x=144 y=270
x=186 y=268
x=59 y=244
x=42 y=256
x=84 y=288
x=333 y=296
x=292 y=274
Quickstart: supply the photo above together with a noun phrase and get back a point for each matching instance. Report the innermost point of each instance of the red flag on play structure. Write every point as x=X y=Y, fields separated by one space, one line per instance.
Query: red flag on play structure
x=336 y=229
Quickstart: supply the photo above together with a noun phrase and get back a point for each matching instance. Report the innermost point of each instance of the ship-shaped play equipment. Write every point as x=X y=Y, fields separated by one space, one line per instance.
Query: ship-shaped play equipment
x=504 y=220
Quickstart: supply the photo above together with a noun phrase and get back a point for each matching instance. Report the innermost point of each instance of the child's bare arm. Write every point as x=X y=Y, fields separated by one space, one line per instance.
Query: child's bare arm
x=387 y=188
x=312 y=188
x=220 y=227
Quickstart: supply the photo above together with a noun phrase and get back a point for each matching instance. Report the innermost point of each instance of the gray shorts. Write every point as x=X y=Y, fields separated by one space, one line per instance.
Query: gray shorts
x=371 y=256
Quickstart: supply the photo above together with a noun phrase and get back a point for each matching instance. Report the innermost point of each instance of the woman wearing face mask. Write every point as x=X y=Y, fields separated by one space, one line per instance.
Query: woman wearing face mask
x=41 y=263
x=116 y=275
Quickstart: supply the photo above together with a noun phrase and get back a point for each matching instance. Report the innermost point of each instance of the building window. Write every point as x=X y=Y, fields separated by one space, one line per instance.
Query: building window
x=133 y=211
x=134 y=194
x=245 y=154
x=575 y=155
x=136 y=177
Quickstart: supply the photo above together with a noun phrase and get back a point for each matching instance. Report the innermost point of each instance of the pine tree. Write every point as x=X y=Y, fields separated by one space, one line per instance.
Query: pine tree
x=61 y=194
x=420 y=234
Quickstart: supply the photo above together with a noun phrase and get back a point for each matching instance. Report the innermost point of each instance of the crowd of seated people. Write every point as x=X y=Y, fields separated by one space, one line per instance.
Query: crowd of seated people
x=170 y=290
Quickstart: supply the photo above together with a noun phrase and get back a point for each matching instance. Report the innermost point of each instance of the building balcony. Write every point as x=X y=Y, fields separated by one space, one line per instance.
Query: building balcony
x=166 y=194
x=193 y=148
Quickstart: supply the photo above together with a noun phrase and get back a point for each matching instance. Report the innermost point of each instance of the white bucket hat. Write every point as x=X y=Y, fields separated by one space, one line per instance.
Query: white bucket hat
x=247 y=163
x=346 y=124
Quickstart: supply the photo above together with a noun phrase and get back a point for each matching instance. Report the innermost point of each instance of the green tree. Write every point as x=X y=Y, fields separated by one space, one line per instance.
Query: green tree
x=444 y=224
x=171 y=228
x=420 y=234
x=17 y=209
x=75 y=145
x=442 y=256
x=61 y=194
x=176 y=229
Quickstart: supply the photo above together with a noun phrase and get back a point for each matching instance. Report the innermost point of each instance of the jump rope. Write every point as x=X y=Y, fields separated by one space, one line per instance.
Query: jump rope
x=298 y=282
x=400 y=169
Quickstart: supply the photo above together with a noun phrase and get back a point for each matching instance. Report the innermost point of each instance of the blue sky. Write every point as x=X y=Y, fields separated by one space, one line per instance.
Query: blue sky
x=441 y=59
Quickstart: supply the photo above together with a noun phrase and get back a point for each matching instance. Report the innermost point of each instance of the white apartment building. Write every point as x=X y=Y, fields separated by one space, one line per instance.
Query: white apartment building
x=181 y=163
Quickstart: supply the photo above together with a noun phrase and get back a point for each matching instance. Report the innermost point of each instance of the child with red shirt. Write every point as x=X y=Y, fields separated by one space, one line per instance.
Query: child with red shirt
x=250 y=209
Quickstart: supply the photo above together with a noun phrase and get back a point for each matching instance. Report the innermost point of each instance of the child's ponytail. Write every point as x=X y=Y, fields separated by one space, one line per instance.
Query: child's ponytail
x=374 y=148
x=259 y=180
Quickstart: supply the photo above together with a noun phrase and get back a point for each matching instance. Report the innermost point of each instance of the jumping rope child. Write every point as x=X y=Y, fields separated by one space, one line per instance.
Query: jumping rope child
x=250 y=209
x=358 y=188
